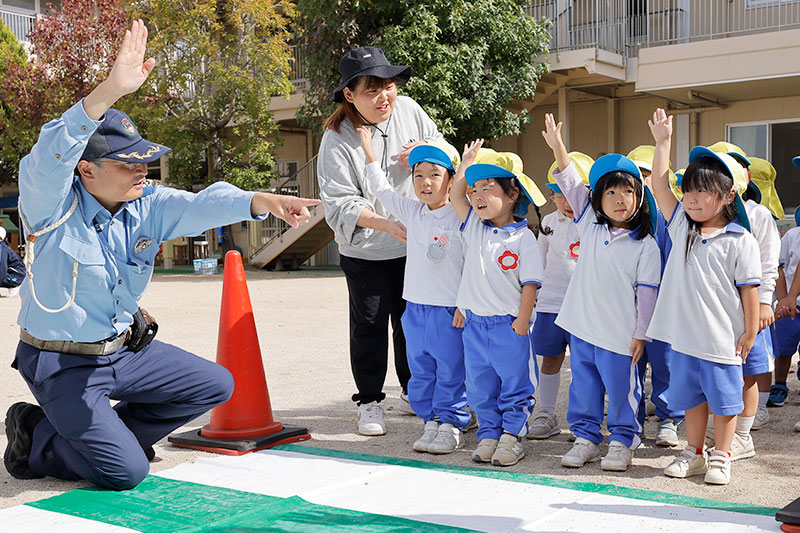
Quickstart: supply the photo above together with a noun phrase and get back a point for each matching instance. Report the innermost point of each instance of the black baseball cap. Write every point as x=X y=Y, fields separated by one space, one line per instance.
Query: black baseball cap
x=118 y=138
x=368 y=61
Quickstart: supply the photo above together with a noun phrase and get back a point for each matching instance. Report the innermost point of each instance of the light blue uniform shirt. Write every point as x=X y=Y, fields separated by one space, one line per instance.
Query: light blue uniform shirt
x=113 y=272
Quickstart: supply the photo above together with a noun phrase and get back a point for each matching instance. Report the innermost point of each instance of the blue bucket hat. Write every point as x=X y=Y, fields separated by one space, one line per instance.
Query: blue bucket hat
x=797 y=217
x=796 y=161
x=619 y=163
x=735 y=171
x=438 y=152
x=118 y=138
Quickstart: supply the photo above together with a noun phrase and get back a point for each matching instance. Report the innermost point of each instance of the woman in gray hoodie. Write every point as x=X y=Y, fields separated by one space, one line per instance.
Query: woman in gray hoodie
x=371 y=242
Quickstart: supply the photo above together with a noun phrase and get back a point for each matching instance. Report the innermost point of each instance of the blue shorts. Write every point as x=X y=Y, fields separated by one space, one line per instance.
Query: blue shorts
x=760 y=360
x=550 y=340
x=787 y=336
x=693 y=381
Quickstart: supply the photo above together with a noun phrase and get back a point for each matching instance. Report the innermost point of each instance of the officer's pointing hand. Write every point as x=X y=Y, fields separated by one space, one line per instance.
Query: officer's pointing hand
x=130 y=70
x=292 y=209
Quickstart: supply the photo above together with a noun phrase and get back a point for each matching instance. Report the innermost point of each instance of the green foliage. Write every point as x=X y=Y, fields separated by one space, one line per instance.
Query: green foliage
x=12 y=54
x=11 y=50
x=471 y=59
x=219 y=62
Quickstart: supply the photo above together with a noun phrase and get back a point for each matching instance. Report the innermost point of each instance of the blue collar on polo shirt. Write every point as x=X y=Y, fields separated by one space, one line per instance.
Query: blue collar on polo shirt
x=511 y=228
x=735 y=227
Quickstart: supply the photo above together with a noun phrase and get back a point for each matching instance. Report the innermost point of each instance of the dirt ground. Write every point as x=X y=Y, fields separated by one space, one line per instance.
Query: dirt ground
x=302 y=324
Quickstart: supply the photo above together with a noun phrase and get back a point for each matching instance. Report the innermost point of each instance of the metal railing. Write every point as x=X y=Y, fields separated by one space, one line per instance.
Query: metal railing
x=299 y=73
x=19 y=23
x=624 y=26
x=274 y=227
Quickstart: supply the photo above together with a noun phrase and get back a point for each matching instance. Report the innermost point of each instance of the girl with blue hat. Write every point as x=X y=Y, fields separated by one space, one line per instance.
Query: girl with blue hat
x=609 y=301
x=431 y=321
x=502 y=272
x=560 y=245
x=707 y=309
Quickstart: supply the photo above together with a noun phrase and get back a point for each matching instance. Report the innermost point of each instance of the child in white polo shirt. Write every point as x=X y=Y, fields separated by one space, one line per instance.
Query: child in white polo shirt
x=502 y=271
x=432 y=324
x=560 y=245
x=787 y=327
x=608 y=303
x=708 y=306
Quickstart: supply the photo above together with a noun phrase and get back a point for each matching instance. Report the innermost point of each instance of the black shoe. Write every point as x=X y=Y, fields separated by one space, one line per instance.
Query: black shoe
x=150 y=453
x=20 y=420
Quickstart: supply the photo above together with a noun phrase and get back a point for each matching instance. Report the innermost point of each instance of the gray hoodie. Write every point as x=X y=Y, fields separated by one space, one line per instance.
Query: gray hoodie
x=342 y=175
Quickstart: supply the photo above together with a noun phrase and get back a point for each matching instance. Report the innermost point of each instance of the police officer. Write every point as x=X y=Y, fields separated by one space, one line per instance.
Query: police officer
x=93 y=231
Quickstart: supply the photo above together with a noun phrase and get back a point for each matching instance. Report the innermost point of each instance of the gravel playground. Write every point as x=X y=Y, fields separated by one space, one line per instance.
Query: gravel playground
x=302 y=322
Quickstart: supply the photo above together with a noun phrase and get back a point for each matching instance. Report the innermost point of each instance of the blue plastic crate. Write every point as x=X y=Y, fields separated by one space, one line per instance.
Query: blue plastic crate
x=205 y=266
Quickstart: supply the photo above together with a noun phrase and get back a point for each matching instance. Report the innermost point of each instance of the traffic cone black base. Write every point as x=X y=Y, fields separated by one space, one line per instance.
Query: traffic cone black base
x=194 y=440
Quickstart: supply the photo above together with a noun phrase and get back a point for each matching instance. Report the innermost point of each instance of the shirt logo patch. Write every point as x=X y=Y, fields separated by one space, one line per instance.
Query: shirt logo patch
x=508 y=260
x=437 y=250
x=128 y=125
x=575 y=249
x=142 y=244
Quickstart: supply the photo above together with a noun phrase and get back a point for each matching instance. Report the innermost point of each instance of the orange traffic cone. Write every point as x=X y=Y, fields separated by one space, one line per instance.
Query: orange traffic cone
x=244 y=423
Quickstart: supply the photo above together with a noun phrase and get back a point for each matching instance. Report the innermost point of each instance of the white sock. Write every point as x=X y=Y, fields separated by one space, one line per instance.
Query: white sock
x=762 y=399
x=548 y=391
x=710 y=425
x=743 y=425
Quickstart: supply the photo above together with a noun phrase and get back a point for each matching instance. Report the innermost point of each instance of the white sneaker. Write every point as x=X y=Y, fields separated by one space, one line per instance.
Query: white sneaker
x=719 y=468
x=485 y=450
x=761 y=420
x=543 y=426
x=742 y=447
x=649 y=407
x=405 y=406
x=422 y=443
x=688 y=463
x=797 y=426
x=667 y=433
x=448 y=439
x=618 y=458
x=509 y=451
x=370 y=419
x=582 y=452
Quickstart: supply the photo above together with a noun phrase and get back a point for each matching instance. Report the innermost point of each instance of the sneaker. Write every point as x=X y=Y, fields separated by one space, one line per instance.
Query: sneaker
x=761 y=419
x=370 y=419
x=448 y=439
x=473 y=420
x=19 y=418
x=777 y=395
x=405 y=406
x=422 y=443
x=483 y=453
x=687 y=464
x=649 y=407
x=742 y=447
x=572 y=436
x=719 y=468
x=618 y=458
x=667 y=433
x=509 y=451
x=543 y=426
x=582 y=452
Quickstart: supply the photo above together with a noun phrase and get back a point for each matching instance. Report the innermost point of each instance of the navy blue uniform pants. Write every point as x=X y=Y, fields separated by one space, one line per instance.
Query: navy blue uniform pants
x=159 y=389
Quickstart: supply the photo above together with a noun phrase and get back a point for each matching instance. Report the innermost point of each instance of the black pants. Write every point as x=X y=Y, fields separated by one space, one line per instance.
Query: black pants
x=376 y=295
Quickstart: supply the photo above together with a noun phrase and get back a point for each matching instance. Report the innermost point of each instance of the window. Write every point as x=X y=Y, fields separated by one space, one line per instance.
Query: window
x=775 y=142
x=753 y=4
x=27 y=5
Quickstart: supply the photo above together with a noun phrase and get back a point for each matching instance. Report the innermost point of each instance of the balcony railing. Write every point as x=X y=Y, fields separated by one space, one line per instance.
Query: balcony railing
x=19 y=24
x=299 y=73
x=624 y=26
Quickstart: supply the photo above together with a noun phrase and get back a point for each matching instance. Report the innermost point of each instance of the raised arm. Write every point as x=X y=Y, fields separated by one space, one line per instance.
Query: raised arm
x=661 y=128
x=570 y=182
x=458 y=193
x=552 y=136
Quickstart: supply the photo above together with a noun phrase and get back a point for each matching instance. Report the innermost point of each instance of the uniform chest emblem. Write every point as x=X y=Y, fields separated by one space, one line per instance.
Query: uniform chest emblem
x=575 y=249
x=508 y=260
x=437 y=250
x=142 y=245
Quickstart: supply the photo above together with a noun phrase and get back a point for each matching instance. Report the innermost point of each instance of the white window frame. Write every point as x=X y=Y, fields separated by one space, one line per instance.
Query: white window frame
x=757 y=4
x=39 y=5
x=768 y=123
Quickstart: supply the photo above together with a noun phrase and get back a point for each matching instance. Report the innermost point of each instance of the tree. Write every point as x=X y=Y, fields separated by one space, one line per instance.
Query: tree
x=471 y=59
x=72 y=51
x=219 y=63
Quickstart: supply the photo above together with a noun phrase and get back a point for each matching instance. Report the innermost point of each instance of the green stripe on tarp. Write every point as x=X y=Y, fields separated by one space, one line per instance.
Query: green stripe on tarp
x=165 y=505
x=532 y=479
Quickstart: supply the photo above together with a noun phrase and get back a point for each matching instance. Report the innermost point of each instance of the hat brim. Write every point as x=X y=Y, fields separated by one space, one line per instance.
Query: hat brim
x=740 y=158
x=484 y=171
x=651 y=204
x=796 y=161
x=797 y=217
x=400 y=73
x=554 y=187
x=430 y=154
x=143 y=151
x=741 y=213
x=754 y=191
x=531 y=194
x=612 y=163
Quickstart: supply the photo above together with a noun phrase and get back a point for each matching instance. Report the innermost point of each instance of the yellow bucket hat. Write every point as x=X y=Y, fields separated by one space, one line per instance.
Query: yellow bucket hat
x=741 y=157
x=763 y=174
x=643 y=156
x=491 y=164
x=583 y=163
x=675 y=183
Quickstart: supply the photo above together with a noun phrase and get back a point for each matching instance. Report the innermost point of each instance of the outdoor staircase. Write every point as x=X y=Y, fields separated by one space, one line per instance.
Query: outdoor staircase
x=285 y=247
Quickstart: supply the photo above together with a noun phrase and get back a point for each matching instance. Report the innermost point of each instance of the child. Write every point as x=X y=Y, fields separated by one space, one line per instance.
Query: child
x=431 y=322
x=708 y=306
x=787 y=328
x=560 y=246
x=502 y=271
x=608 y=303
